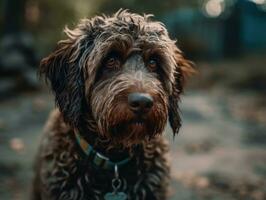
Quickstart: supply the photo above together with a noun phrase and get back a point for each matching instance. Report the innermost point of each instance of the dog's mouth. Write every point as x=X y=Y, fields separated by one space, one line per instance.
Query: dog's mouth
x=138 y=124
x=133 y=131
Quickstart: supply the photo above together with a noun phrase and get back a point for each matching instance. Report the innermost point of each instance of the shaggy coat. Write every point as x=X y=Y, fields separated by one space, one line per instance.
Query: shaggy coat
x=91 y=73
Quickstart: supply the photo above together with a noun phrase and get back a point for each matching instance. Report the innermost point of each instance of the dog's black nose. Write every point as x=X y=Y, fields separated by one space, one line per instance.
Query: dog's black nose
x=140 y=102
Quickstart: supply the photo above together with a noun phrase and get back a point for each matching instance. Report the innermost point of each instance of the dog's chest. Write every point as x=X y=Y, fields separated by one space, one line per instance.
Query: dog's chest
x=89 y=182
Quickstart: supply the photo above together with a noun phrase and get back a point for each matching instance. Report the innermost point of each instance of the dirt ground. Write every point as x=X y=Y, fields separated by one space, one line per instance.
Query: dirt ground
x=216 y=156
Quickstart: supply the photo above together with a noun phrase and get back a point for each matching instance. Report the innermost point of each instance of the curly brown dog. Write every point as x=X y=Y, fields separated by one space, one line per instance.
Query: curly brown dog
x=116 y=81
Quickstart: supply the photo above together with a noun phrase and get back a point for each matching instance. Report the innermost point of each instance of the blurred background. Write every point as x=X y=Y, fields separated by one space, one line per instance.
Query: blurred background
x=220 y=152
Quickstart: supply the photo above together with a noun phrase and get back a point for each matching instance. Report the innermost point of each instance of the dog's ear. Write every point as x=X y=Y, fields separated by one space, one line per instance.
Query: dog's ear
x=183 y=69
x=66 y=80
x=66 y=68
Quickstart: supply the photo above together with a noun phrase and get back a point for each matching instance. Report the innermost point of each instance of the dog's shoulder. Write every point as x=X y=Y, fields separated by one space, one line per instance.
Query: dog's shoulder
x=55 y=124
x=56 y=137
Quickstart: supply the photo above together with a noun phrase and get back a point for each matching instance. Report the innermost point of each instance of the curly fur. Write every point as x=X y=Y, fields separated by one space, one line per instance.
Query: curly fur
x=93 y=101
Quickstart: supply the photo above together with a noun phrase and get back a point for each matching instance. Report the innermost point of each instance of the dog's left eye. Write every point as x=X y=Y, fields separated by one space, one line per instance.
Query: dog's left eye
x=113 y=62
x=152 y=64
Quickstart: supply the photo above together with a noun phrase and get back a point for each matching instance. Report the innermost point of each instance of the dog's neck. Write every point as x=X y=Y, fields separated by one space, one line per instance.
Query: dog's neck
x=103 y=145
x=97 y=158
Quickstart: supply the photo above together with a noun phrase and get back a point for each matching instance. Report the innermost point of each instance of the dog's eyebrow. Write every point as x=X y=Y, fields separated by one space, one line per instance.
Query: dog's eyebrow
x=133 y=50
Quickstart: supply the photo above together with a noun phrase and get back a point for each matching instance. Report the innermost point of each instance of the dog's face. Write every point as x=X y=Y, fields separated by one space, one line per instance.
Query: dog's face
x=124 y=72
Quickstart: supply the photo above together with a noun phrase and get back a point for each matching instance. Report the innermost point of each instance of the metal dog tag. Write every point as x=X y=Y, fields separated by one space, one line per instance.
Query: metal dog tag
x=115 y=196
x=116 y=185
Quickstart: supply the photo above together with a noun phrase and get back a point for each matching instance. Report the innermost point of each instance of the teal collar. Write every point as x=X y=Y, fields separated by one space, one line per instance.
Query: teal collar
x=97 y=158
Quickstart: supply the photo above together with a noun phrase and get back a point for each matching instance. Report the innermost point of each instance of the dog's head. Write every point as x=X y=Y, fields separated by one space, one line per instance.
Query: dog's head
x=124 y=70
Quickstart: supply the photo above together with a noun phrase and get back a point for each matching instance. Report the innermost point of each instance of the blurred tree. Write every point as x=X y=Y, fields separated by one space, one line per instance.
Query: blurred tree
x=46 y=19
x=232 y=31
x=17 y=55
x=13 y=16
x=16 y=45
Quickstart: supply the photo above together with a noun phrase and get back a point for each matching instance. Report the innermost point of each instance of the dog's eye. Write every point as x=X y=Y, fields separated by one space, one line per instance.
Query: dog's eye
x=112 y=62
x=152 y=64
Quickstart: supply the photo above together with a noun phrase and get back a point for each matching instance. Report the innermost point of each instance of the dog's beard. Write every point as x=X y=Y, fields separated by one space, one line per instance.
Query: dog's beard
x=122 y=127
x=128 y=133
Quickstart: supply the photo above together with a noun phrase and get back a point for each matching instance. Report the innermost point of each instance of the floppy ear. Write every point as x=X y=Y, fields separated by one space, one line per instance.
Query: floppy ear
x=65 y=68
x=66 y=80
x=183 y=69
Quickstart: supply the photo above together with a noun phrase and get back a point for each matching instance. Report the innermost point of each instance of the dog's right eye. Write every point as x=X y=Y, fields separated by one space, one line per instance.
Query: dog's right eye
x=112 y=62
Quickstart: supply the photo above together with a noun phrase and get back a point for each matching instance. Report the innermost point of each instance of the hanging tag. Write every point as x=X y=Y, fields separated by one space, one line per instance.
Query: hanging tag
x=116 y=184
x=115 y=196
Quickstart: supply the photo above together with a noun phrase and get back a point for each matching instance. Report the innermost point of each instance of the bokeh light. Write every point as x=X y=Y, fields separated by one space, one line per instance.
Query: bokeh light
x=214 y=8
x=260 y=2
